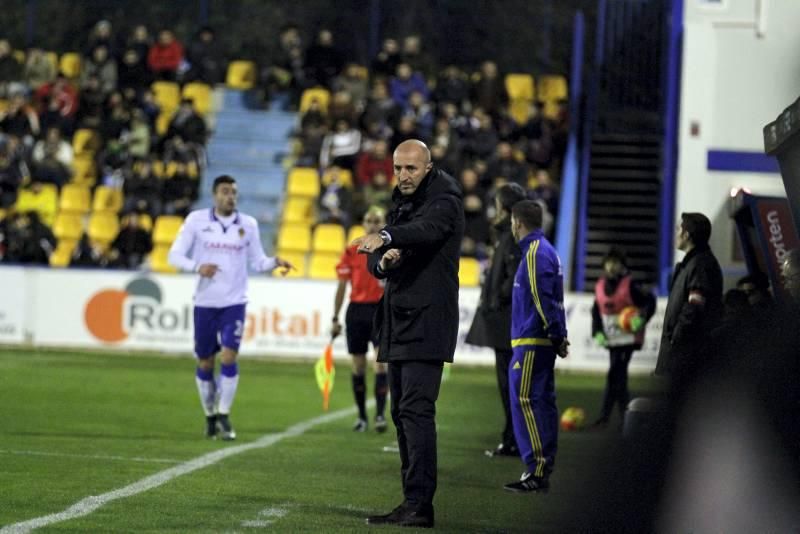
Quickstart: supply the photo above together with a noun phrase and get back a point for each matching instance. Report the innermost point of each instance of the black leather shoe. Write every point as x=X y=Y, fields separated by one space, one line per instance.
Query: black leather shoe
x=417 y=519
x=392 y=518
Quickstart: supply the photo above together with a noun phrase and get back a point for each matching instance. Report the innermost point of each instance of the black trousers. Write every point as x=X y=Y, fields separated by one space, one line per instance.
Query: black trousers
x=617 y=380
x=502 y=359
x=414 y=387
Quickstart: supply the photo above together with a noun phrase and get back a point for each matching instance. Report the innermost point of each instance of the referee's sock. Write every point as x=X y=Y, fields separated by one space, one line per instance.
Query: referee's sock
x=360 y=394
x=228 y=381
x=380 y=393
x=206 y=388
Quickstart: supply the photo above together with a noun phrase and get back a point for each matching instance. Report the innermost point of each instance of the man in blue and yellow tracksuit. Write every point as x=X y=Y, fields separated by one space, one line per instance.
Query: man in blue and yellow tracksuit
x=538 y=335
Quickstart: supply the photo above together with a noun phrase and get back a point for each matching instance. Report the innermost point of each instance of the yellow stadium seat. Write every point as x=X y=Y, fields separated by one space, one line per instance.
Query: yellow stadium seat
x=70 y=64
x=166 y=229
x=520 y=111
x=294 y=237
x=355 y=231
x=3 y=214
x=85 y=141
x=62 y=255
x=298 y=210
x=158 y=260
x=145 y=221
x=323 y=266
x=162 y=122
x=107 y=199
x=298 y=259
x=200 y=94
x=45 y=202
x=53 y=58
x=84 y=170
x=520 y=87
x=315 y=93
x=167 y=95
x=328 y=238
x=345 y=177
x=303 y=182
x=103 y=227
x=469 y=272
x=68 y=226
x=241 y=75
x=3 y=105
x=19 y=55
x=74 y=199
x=552 y=88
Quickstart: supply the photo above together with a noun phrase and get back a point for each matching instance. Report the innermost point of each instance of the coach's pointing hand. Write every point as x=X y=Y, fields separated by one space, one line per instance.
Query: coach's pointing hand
x=368 y=244
x=208 y=270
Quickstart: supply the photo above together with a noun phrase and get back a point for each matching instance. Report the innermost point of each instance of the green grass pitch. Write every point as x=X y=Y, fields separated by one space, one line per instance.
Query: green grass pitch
x=77 y=425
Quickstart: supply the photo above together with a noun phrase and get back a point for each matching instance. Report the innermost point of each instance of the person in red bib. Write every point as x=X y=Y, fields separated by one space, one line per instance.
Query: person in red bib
x=620 y=313
x=365 y=293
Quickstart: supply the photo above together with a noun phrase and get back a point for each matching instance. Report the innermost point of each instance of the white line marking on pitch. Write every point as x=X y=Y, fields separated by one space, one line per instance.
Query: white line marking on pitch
x=92 y=456
x=273 y=513
x=93 y=502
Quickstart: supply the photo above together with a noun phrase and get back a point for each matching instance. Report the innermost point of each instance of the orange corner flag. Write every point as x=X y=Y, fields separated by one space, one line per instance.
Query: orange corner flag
x=325 y=372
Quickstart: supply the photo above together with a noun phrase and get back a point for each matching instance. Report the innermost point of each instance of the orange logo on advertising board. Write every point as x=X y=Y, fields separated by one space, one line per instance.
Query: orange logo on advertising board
x=104 y=313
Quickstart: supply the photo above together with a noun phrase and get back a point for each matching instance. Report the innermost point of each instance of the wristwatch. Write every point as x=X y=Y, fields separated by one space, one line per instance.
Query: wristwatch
x=386 y=237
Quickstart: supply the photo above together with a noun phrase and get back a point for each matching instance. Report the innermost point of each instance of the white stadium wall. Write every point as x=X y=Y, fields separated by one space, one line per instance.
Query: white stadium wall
x=129 y=311
x=740 y=70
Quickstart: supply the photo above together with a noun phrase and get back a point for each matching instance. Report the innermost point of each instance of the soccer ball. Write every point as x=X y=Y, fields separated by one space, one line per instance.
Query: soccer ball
x=625 y=317
x=572 y=418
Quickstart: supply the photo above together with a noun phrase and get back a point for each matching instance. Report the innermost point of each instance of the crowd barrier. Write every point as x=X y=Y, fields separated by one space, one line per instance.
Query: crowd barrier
x=125 y=310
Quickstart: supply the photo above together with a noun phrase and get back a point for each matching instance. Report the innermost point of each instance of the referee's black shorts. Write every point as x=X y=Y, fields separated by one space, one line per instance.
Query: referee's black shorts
x=358 y=326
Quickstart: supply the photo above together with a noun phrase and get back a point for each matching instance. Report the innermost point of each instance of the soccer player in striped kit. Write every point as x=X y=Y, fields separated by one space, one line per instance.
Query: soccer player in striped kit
x=538 y=335
x=218 y=244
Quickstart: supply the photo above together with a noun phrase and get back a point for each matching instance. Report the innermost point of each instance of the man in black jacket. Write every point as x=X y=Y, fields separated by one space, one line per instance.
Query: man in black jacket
x=694 y=307
x=417 y=254
x=491 y=326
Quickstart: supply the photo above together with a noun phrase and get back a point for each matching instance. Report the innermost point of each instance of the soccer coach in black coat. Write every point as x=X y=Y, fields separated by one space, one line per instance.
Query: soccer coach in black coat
x=417 y=254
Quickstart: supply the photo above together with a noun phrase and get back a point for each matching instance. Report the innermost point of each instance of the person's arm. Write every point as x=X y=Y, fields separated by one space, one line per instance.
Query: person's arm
x=542 y=273
x=432 y=227
x=338 y=300
x=597 y=320
x=259 y=261
x=644 y=300
x=693 y=310
x=179 y=251
x=510 y=266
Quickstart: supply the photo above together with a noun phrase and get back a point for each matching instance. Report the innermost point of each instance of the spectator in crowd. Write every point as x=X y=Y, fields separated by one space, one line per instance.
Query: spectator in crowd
x=139 y=135
x=142 y=189
x=39 y=70
x=101 y=36
x=116 y=117
x=102 y=66
x=140 y=41
x=491 y=326
x=341 y=146
x=615 y=291
x=756 y=289
x=188 y=124
x=488 y=90
x=50 y=117
x=405 y=82
x=444 y=136
x=533 y=128
x=481 y=139
x=419 y=60
x=13 y=170
x=323 y=60
x=476 y=229
x=286 y=73
x=179 y=151
x=335 y=200
x=377 y=160
x=452 y=87
x=111 y=162
x=313 y=127
x=378 y=192
x=133 y=72
x=205 y=58
x=385 y=63
x=90 y=253
x=52 y=158
x=380 y=108
x=27 y=240
x=351 y=81
x=20 y=120
x=165 y=56
x=341 y=107
x=10 y=71
x=423 y=114
x=406 y=129
x=504 y=164
x=37 y=199
x=62 y=91
x=179 y=191
x=148 y=104
x=132 y=244
x=91 y=108
x=545 y=190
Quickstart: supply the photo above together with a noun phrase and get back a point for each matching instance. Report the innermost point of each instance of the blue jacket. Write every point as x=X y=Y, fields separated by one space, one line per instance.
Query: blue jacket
x=537 y=301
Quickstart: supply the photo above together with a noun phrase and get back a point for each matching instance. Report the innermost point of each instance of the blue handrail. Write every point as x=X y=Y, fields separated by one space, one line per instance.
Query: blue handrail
x=565 y=227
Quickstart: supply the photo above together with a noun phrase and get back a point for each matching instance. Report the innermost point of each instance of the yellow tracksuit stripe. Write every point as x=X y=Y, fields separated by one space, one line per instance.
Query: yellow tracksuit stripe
x=532 y=278
x=540 y=341
x=527 y=410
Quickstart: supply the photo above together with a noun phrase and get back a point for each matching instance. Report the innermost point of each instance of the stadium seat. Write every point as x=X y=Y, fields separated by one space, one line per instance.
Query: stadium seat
x=19 y=55
x=241 y=75
x=45 y=202
x=3 y=214
x=355 y=231
x=323 y=266
x=103 y=227
x=303 y=182
x=520 y=87
x=167 y=95
x=158 y=259
x=166 y=229
x=200 y=94
x=315 y=93
x=294 y=237
x=53 y=58
x=85 y=141
x=107 y=199
x=298 y=259
x=345 y=177
x=62 y=255
x=162 y=122
x=74 y=199
x=469 y=272
x=328 y=238
x=298 y=210
x=70 y=64
x=68 y=226
x=84 y=170
x=552 y=88
x=519 y=111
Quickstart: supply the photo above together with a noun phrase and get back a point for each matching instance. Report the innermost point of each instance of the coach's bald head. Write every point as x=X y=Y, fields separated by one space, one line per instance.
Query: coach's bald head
x=412 y=161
